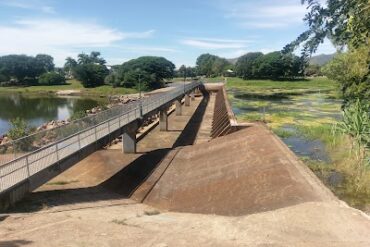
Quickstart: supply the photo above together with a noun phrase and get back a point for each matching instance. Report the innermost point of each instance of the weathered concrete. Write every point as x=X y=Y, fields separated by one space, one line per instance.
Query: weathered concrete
x=129 y=138
x=187 y=100
x=205 y=130
x=192 y=96
x=163 y=119
x=178 y=104
x=245 y=172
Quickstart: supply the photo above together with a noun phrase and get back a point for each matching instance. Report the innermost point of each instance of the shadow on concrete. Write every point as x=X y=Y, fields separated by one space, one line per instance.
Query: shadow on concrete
x=14 y=243
x=189 y=134
x=121 y=185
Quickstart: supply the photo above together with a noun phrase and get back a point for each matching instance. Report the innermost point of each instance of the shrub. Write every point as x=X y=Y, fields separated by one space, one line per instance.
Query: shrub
x=91 y=74
x=51 y=78
x=78 y=115
x=18 y=128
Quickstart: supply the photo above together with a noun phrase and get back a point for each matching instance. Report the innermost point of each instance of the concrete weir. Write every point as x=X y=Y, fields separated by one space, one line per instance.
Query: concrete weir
x=199 y=175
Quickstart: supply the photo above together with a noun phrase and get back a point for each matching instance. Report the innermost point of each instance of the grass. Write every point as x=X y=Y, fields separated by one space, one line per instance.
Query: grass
x=316 y=84
x=70 y=85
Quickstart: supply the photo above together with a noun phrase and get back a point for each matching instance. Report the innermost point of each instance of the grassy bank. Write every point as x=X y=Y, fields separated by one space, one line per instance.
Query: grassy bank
x=70 y=85
x=302 y=113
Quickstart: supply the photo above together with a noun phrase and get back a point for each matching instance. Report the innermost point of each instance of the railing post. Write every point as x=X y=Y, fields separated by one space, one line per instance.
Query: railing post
x=96 y=139
x=109 y=132
x=79 y=142
x=14 y=155
x=1 y=180
x=57 y=151
x=28 y=167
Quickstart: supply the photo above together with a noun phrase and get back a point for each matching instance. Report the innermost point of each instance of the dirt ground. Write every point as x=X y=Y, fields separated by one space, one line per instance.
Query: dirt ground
x=124 y=222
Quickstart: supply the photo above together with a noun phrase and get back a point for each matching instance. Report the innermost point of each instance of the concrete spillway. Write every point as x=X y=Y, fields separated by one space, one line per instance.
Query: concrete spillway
x=245 y=172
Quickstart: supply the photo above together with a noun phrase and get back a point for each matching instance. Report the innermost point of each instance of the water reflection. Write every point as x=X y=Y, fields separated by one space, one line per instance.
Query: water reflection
x=36 y=110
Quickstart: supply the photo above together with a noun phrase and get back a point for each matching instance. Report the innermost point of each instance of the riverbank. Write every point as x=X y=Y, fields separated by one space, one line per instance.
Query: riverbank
x=72 y=87
x=302 y=113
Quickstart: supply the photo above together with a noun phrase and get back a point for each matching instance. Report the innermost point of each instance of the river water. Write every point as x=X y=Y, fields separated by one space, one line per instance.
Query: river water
x=36 y=109
x=288 y=114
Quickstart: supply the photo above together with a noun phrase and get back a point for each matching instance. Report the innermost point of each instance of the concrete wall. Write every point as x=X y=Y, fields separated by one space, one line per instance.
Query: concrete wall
x=224 y=120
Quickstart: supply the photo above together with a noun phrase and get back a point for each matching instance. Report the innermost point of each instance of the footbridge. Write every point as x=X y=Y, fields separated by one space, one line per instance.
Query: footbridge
x=29 y=162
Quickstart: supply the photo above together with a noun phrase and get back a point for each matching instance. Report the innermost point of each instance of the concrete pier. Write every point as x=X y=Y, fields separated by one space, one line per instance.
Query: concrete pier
x=187 y=100
x=192 y=96
x=163 y=119
x=129 y=138
x=178 y=107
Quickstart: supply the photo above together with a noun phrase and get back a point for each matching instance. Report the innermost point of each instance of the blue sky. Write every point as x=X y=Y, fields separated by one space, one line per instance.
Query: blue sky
x=122 y=29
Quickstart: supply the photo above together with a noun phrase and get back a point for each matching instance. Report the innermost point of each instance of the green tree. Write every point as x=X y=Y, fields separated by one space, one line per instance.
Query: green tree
x=246 y=66
x=151 y=70
x=91 y=74
x=343 y=22
x=19 y=129
x=313 y=70
x=69 y=66
x=90 y=69
x=211 y=65
x=183 y=72
x=94 y=57
x=46 y=62
x=271 y=65
x=51 y=78
x=24 y=69
x=350 y=69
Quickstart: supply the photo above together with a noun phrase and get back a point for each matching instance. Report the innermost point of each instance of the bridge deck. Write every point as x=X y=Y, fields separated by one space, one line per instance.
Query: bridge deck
x=103 y=164
x=60 y=144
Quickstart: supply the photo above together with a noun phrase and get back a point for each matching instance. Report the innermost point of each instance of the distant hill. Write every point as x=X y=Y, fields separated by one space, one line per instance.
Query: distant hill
x=321 y=59
x=232 y=60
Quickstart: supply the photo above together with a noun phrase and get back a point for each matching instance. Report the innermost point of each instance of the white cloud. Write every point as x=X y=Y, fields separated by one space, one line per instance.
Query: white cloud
x=59 y=38
x=233 y=54
x=264 y=14
x=146 y=49
x=30 y=4
x=215 y=43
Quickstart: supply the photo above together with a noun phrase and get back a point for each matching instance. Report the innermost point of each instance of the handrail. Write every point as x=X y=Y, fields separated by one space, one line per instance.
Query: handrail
x=31 y=161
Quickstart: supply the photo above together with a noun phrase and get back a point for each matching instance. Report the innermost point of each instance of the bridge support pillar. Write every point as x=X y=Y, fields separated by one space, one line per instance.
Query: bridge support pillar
x=178 y=107
x=129 y=138
x=163 y=119
x=187 y=100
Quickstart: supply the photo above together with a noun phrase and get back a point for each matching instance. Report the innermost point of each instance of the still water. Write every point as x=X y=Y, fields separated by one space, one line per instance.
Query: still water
x=288 y=113
x=36 y=110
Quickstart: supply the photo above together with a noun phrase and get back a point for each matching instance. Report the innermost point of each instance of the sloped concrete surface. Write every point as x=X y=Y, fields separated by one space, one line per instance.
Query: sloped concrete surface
x=247 y=172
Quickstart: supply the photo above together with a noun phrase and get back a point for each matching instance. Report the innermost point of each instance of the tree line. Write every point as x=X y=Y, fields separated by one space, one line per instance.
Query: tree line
x=253 y=65
x=28 y=70
x=146 y=72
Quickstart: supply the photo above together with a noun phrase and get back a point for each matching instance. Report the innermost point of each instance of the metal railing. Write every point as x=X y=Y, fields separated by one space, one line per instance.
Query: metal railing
x=22 y=158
